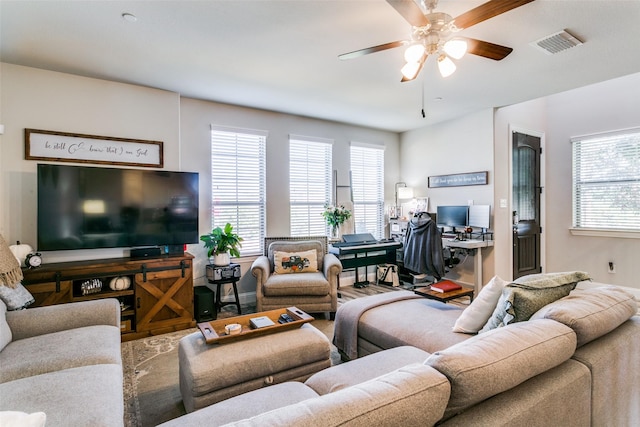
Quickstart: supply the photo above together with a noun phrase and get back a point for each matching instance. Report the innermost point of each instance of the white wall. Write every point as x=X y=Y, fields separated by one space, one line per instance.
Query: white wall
x=602 y=107
x=33 y=98
x=457 y=146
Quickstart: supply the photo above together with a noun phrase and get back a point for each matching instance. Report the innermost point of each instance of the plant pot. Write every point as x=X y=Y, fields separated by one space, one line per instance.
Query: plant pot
x=221 y=260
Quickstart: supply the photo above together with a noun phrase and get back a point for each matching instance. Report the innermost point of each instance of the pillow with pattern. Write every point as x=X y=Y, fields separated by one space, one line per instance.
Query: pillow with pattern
x=528 y=294
x=295 y=262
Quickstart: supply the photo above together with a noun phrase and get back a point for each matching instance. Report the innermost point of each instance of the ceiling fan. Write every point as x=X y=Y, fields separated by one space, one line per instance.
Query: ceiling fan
x=434 y=33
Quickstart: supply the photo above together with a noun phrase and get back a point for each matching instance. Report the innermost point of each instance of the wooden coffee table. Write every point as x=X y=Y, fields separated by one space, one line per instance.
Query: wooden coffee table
x=445 y=296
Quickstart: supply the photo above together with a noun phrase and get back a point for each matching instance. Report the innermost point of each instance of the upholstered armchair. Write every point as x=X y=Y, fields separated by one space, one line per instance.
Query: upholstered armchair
x=296 y=272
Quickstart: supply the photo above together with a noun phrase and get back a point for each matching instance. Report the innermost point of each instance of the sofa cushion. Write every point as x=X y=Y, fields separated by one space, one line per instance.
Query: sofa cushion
x=246 y=405
x=415 y=392
x=90 y=345
x=498 y=360
x=83 y=396
x=474 y=317
x=5 y=331
x=527 y=294
x=297 y=285
x=591 y=313
x=295 y=262
x=421 y=322
x=365 y=368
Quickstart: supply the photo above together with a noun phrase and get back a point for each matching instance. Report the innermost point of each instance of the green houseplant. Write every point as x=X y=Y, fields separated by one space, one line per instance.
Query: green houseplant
x=221 y=243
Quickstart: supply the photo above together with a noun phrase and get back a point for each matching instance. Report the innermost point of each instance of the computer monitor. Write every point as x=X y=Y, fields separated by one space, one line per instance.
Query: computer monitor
x=479 y=216
x=452 y=216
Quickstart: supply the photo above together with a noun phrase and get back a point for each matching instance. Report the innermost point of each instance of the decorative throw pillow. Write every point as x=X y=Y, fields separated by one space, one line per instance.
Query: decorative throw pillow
x=559 y=278
x=5 y=332
x=474 y=317
x=22 y=419
x=295 y=262
x=528 y=294
x=16 y=298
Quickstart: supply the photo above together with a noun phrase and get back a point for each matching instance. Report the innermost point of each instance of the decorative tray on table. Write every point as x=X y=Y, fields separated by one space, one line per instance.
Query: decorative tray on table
x=215 y=331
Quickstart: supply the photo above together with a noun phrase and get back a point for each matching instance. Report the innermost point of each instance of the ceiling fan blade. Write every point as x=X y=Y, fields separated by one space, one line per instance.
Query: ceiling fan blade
x=421 y=64
x=487 y=10
x=487 y=49
x=372 y=49
x=410 y=11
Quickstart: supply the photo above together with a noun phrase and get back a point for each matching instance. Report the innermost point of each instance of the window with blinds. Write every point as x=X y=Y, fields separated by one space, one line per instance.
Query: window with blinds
x=238 y=190
x=606 y=181
x=309 y=184
x=367 y=186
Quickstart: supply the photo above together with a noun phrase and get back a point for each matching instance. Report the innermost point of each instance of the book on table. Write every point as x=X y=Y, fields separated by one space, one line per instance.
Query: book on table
x=445 y=286
x=261 y=322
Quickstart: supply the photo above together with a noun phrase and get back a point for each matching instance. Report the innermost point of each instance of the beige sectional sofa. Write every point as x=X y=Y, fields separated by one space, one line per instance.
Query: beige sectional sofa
x=574 y=363
x=63 y=361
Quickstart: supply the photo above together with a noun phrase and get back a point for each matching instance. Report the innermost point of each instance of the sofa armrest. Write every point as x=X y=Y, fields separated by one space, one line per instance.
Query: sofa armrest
x=54 y=318
x=261 y=270
x=332 y=267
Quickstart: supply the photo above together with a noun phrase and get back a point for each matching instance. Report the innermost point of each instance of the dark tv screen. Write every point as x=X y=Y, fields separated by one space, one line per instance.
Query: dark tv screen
x=82 y=207
x=452 y=216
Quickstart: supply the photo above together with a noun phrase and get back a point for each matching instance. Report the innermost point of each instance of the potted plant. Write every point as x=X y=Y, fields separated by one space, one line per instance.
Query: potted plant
x=221 y=243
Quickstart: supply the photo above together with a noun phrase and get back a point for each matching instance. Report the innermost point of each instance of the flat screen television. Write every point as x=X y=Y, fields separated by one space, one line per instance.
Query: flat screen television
x=452 y=216
x=81 y=207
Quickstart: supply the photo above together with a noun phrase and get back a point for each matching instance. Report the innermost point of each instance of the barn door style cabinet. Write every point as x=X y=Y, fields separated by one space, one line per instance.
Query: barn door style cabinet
x=155 y=294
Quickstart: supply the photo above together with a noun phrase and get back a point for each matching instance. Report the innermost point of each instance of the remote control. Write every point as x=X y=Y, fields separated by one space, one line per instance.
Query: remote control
x=285 y=318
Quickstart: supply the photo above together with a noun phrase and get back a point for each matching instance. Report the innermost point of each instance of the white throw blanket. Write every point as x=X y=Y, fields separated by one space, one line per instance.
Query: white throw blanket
x=345 y=335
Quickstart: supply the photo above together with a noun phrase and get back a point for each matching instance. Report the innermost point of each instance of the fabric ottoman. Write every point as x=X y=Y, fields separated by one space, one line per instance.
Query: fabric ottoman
x=212 y=373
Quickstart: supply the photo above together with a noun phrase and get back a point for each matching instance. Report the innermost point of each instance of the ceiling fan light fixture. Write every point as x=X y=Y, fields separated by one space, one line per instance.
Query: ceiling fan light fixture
x=414 y=52
x=446 y=65
x=455 y=48
x=410 y=70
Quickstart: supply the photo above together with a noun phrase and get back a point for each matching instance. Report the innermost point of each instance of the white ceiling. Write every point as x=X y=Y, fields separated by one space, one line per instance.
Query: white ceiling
x=283 y=55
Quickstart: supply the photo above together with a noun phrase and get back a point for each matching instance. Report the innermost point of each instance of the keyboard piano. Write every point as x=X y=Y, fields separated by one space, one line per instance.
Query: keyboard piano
x=364 y=253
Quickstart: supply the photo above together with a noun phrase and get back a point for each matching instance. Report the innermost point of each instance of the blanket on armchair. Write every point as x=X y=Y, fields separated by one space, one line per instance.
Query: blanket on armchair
x=345 y=334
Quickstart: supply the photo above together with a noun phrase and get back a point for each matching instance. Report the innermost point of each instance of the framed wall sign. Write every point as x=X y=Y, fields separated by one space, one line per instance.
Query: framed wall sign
x=458 y=180
x=79 y=148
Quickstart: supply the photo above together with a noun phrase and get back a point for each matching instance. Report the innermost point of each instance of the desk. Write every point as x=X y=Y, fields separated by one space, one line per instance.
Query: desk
x=475 y=249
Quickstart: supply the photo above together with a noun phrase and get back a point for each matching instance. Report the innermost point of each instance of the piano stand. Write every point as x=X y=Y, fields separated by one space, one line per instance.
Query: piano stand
x=356 y=256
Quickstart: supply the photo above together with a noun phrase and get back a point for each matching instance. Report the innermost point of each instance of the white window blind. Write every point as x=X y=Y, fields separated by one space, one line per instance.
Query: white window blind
x=310 y=184
x=367 y=182
x=238 y=178
x=606 y=181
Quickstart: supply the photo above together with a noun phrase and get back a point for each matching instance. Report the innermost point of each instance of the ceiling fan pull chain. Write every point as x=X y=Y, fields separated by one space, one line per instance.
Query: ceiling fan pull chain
x=424 y=116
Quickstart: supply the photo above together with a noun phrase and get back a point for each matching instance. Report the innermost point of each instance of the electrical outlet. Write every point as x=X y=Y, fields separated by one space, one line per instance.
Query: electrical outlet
x=612 y=267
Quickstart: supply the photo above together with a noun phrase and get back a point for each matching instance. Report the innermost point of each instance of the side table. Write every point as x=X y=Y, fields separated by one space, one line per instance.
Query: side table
x=227 y=276
x=444 y=296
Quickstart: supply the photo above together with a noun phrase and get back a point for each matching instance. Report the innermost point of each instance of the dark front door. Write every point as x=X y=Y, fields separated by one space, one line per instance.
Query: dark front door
x=526 y=204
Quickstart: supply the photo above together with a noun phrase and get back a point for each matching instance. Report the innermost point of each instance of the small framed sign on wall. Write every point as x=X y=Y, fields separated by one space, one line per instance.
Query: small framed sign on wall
x=459 y=179
x=79 y=148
